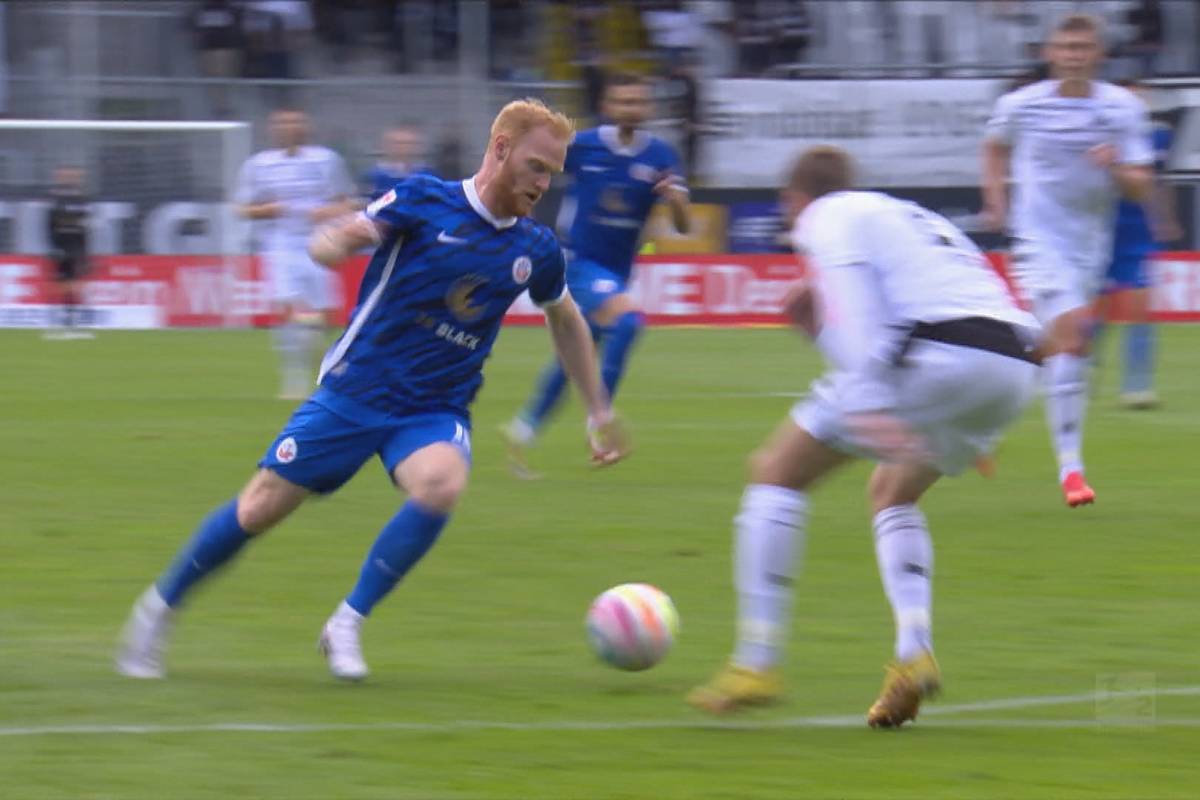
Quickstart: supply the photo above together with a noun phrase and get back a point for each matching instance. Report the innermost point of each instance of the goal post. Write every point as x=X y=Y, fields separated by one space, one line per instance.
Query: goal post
x=155 y=188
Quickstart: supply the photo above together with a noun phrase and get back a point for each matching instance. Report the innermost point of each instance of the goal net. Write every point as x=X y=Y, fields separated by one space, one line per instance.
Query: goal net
x=158 y=192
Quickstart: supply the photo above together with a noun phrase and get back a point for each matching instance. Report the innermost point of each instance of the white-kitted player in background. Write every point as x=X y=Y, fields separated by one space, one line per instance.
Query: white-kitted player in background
x=1075 y=144
x=288 y=191
x=930 y=358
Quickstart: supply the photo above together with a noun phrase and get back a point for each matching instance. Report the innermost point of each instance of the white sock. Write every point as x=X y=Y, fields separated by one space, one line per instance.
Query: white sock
x=905 y=555
x=1066 y=402
x=769 y=536
x=345 y=613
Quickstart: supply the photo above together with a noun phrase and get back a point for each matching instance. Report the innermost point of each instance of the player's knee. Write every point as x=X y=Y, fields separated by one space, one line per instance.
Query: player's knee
x=266 y=501
x=763 y=466
x=887 y=488
x=439 y=489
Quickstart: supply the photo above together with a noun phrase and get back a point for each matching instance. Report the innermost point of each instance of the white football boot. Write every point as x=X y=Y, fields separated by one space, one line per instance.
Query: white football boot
x=145 y=637
x=340 y=644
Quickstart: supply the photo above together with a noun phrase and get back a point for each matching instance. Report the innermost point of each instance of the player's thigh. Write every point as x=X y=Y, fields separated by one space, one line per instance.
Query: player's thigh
x=429 y=457
x=319 y=450
x=285 y=276
x=595 y=289
x=961 y=400
x=267 y=499
x=319 y=288
x=899 y=484
x=793 y=457
x=612 y=309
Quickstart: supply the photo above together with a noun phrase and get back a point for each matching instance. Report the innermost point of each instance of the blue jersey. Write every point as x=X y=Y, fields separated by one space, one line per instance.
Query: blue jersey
x=606 y=206
x=433 y=296
x=1133 y=236
x=383 y=176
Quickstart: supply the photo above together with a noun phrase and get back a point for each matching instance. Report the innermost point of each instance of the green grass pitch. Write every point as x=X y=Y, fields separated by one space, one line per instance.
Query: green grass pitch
x=483 y=686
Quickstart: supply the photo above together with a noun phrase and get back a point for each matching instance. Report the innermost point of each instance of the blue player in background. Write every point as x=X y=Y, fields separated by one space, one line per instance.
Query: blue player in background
x=618 y=173
x=450 y=258
x=401 y=153
x=1140 y=229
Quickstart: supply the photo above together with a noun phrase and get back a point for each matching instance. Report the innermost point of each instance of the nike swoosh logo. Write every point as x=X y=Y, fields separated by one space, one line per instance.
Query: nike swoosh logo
x=446 y=238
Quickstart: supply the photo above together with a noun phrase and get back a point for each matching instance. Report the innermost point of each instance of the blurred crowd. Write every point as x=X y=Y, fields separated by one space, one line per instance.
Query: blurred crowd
x=555 y=40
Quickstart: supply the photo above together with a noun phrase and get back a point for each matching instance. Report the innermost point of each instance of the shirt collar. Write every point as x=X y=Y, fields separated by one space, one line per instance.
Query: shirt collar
x=612 y=140
x=482 y=210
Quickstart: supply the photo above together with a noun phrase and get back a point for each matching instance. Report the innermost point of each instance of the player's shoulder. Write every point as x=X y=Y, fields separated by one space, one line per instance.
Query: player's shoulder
x=660 y=150
x=1109 y=94
x=264 y=157
x=1029 y=93
x=540 y=240
x=588 y=137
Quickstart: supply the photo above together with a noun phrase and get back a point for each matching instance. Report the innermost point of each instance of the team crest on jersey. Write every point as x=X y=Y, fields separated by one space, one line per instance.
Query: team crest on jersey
x=643 y=172
x=382 y=202
x=522 y=269
x=285 y=453
x=460 y=299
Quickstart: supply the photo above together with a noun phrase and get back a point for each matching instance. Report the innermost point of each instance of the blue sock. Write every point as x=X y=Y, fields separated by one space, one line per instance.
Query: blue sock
x=1139 y=357
x=216 y=541
x=617 y=346
x=547 y=396
x=400 y=545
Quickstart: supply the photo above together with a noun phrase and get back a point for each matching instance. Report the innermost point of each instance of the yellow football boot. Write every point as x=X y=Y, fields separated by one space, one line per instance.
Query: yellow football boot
x=736 y=687
x=907 y=683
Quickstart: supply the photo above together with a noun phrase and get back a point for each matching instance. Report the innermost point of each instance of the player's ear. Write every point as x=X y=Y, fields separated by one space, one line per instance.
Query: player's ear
x=503 y=147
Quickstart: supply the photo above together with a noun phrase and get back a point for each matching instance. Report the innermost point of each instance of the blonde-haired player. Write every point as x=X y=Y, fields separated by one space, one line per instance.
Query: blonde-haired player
x=1074 y=144
x=450 y=257
x=930 y=359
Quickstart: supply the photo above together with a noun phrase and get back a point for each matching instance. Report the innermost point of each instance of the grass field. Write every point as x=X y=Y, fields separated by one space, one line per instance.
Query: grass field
x=482 y=685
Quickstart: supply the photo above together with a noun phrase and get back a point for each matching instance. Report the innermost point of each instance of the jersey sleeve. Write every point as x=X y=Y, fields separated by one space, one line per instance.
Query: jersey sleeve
x=395 y=212
x=673 y=165
x=1136 y=143
x=548 y=285
x=571 y=164
x=1001 y=125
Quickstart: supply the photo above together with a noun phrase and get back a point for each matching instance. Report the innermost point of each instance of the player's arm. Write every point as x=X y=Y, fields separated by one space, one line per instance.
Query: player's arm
x=1163 y=214
x=577 y=353
x=332 y=244
x=249 y=204
x=1130 y=160
x=997 y=157
x=672 y=190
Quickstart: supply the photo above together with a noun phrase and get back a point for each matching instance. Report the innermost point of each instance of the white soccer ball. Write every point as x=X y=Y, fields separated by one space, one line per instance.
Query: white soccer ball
x=632 y=626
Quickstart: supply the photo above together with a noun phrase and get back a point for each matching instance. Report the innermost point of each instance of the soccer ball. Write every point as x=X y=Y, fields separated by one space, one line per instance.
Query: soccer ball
x=632 y=626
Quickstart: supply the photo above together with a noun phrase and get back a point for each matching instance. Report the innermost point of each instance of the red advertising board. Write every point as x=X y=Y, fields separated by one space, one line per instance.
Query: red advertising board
x=217 y=291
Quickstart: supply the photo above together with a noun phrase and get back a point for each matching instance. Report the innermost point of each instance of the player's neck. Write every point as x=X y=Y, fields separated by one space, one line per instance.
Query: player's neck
x=492 y=195
x=1075 y=87
x=626 y=134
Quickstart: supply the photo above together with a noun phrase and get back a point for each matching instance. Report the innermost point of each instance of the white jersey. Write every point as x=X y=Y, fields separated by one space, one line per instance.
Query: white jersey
x=1061 y=200
x=881 y=264
x=307 y=179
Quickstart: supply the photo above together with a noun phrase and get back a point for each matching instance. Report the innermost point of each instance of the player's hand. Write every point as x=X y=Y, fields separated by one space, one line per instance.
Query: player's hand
x=888 y=437
x=800 y=307
x=608 y=438
x=670 y=185
x=1102 y=155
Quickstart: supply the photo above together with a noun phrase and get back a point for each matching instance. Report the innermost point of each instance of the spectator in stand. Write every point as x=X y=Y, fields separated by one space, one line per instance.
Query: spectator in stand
x=753 y=31
x=793 y=27
x=217 y=28
x=1147 y=21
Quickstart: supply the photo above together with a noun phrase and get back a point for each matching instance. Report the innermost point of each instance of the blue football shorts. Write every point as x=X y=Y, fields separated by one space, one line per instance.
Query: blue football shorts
x=320 y=449
x=1129 y=269
x=592 y=285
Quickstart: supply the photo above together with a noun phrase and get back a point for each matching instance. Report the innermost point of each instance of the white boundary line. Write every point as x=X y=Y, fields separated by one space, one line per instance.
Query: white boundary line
x=843 y=721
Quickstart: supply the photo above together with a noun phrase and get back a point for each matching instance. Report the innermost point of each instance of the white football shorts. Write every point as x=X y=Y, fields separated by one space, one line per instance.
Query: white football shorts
x=295 y=279
x=1055 y=278
x=960 y=399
